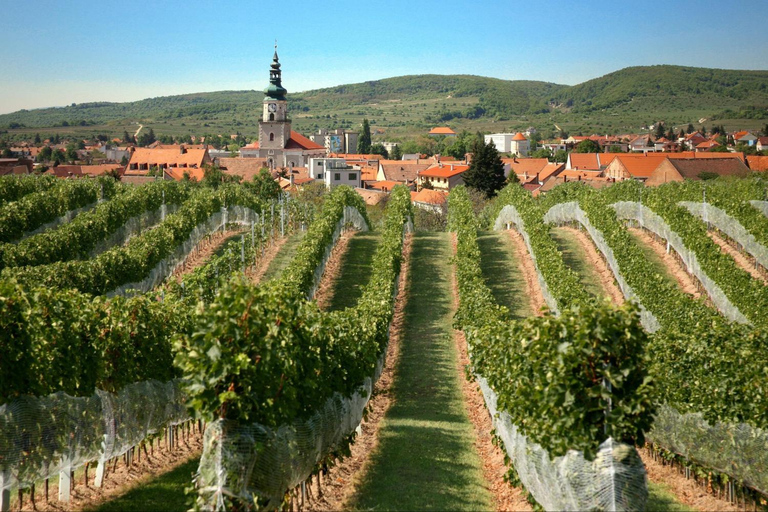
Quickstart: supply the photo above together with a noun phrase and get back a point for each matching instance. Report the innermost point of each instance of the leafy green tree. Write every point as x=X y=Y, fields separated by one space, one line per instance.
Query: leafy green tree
x=615 y=149
x=124 y=160
x=72 y=154
x=45 y=154
x=7 y=153
x=378 y=149
x=764 y=131
x=364 y=141
x=722 y=148
x=541 y=153
x=561 y=156
x=486 y=171
x=128 y=139
x=396 y=154
x=264 y=185
x=587 y=146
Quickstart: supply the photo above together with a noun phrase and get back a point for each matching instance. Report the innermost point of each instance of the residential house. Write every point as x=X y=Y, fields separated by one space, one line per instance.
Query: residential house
x=677 y=169
x=15 y=166
x=757 y=163
x=441 y=131
x=762 y=144
x=430 y=200
x=692 y=140
x=246 y=168
x=707 y=145
x=442 y=176
x=371 y=197
x=174 y=163
x=334 y=172
x=525 y=168
x=642 y=144
x=404 y=171
x=745 y=138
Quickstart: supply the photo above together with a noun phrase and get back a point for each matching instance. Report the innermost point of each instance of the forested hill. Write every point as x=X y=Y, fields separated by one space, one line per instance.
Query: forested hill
x=616 y=101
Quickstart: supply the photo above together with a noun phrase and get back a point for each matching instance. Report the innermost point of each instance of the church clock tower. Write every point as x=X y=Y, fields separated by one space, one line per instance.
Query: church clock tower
x=274 y=127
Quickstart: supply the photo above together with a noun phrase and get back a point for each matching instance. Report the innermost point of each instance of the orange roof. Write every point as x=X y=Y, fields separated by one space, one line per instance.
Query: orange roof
x=520 y=166
x=549 y=170
x=298 y=141
x=444 y=171
x=372 y=197
x=177 y=173
x=738 y=135
x=584 y=161
x=98 y=170
x=573 y=174
x=355 y=156
x=402 y=170
x=428 y=196
x=168 y=157
x=643 y=165
x=368 y=173
x=757 y=163
x=707 y=144
x=252 y=145
x=441 y=130
x=385 y=185
x=519 y=136
x=248 y=168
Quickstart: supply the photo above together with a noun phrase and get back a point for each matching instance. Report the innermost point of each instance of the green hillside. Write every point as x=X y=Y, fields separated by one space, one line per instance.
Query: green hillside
x=622 y=101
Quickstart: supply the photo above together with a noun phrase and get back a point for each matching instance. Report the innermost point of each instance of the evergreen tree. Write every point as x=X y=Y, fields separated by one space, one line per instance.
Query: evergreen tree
x=690 y=128
x=378 y=149
x=486 y=171
x=127 y=138
x=397 y=154
x=37 y=138
x=364 y=142
x=659 y=130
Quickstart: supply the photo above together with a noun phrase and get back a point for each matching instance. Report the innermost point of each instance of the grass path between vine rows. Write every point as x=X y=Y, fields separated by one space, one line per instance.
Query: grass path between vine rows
x=355 y=271
x=283 y=256
x=425 y=459
x=502 y=273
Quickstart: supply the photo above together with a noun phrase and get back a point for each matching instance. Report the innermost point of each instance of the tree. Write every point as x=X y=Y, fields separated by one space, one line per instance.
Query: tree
x=45 y=154
x=396 y=153
x=681 y=135
x=615 y=149
x=124 y=161
x=689 y=130
x=147 y=138
x=37 y=138
x=659 y=130
x=561 y=156
x=486 y=171
x=670 y=134
x=587 y=146
x=7 y=153
x=764 y=131
x=378 y=149
x=264 y=185
x=541 y=153
x=128 y=139
x=364 y=142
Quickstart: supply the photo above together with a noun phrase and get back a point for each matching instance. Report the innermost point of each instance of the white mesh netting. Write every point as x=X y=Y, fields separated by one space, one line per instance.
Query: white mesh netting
x=509 y=216
x=250 y=462
x=646 y=218
x=67 y=217
x=760 y=205
x=571 y=212
x=350 y=217
x=614 y=480
x=41 y=437
x=134 y=226
x=730 y=226
x=219 y=220
x=736 y=449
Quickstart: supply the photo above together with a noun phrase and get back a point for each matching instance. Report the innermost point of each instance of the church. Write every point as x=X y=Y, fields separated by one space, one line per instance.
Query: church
x=278 y=145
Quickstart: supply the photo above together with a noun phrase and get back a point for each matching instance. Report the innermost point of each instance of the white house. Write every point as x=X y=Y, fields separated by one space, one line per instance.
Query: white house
x=514 y=143
x=334 y=171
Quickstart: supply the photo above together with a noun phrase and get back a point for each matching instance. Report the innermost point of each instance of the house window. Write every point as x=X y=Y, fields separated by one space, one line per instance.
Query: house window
x=352 y=176
x=337 y=176
x=319 y=175
x=271 y=136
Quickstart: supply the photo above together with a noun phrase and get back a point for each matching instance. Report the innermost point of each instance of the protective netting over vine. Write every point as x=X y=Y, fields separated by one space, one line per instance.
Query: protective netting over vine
x=257 y=462
x=350 y=217
x=571 y=212
x=760 y=205
x=509 y=215
x=730 y=226
x=219 y=220
x=67 y=217
x=134 y=226
x=736 y=449
x=614 y=480
x=649 y=220
x=41 y=437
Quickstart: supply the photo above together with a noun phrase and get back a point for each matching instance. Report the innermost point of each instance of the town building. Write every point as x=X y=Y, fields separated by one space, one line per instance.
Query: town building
x=443 y=131
x=334 y=172
x=336 y=141
x=442 y=176
x=514 y=143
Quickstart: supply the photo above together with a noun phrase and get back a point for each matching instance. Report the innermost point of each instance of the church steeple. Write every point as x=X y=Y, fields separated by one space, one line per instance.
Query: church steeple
x=275 y=91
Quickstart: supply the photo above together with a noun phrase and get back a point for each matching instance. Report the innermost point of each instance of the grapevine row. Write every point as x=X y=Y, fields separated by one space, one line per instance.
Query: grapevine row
x=13 y=187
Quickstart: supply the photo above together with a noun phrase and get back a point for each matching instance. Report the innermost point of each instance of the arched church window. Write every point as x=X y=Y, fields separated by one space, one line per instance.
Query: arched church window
x=271 y=117
x=271 y=136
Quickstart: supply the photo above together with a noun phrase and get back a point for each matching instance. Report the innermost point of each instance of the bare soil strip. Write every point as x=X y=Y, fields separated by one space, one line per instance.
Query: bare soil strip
x=529 y=272
x=332 y=491
x=685 y=490
x=505 y=496
x=202 y=252
x=741 y=260
x=120 y=481
x=595 y=259
x=256 y=273
x=686 y=281
x=324 y=293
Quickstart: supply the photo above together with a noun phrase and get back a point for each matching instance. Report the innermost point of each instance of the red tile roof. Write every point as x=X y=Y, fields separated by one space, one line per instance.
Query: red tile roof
x=441 y=130
x=584 y=161
x=428 y=196
x=168 y=157
x=519 y=136
x=757 y=163
x=385 y=185
x=444 y=171
x=298 y=141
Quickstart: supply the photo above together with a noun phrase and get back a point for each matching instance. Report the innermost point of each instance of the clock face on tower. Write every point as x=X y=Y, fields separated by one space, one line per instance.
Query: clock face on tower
x=272 y=107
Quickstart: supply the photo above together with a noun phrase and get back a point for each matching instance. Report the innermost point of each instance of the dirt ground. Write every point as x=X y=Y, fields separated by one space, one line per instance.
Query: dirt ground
x=529 y=272
x=117 y=482
x=686 y=490
x=594 y=258
x=686 y=281
x=256 y=273
x=324 y=293
x=199 y=256
x=331 y=491
x=739 y=257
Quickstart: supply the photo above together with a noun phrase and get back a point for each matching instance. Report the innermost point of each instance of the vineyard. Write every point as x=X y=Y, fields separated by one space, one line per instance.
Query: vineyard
x=314 y=360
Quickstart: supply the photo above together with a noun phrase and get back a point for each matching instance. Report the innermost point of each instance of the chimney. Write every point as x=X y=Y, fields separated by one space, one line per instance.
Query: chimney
x=290 y=178
x=182 y=150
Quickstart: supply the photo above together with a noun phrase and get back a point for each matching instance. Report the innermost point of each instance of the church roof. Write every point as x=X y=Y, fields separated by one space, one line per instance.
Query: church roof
x=298 y=141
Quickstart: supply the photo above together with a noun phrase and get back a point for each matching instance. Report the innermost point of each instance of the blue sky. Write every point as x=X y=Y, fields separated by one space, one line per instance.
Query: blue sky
x=62 y=51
